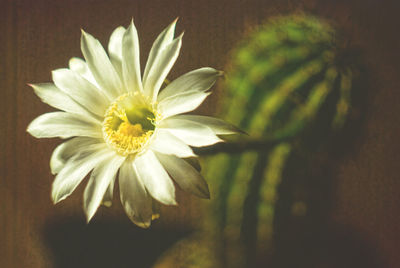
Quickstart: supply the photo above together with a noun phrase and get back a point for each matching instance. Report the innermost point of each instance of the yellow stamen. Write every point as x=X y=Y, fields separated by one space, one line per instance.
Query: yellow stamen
x=121 y=114
x=128 y=124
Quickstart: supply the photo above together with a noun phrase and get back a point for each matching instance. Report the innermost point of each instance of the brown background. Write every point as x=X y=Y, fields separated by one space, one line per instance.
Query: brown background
x=39 y=36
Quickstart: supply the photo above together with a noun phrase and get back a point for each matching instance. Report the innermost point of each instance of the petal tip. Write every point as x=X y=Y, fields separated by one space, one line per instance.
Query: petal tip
x=155 y=216
x=89 y=217
x=31 y=130
x=131 y=25
x=55 y=73
x=173 y=23
x=107 y=203
x=74 y=60
x=203 y=192
x=55 y=198
x=144 y=225
x=83 y=34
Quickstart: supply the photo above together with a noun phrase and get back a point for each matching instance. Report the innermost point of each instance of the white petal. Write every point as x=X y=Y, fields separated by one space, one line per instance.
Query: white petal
x=161 y=67
x=134 y=197
x=155 y=178
x=185 y=175
x=163 y=40
x=64 y=125
x=131 y=60
x=115 y=48
x=181 y=103
x=166 y=143
x=56 y=98
x=198 y=80
x=100 y=66
x=76 y=169
x=191 y=133
x=80 y=67
x=220 y=127
x=194 y=162
x=99 y=181
x=81 y=90
x=66 y=150
x=108 y=195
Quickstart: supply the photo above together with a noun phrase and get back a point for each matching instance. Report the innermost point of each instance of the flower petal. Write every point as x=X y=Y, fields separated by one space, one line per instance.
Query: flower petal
x=191 y=133
x=115 y=48
x=81 y=90
x=166 y=143
x=181 y=103
x=163 y=40
x=67 y=150
x=99 y=181
x=134 y=197
x=131 y=60
x=56 y=98
x=80 y=67
x=109 y=194
x=160 y=68
x=155 y=178
x=220 y=127
x=194 y=162
x=185 y=175
x=76 y=169
x=198 y=80
x=64 y=125
x=100 y=66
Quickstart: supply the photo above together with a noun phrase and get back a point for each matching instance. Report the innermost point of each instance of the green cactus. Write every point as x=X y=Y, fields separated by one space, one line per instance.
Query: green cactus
x=285 y=80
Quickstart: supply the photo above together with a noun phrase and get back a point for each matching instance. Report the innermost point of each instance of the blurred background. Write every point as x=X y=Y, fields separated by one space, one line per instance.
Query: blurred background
x=347 y=211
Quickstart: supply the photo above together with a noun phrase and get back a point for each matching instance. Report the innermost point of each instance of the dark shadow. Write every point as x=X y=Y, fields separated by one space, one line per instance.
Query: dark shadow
x=106 y=243
x=324 y=247
x=342 y=246
x=313 y=240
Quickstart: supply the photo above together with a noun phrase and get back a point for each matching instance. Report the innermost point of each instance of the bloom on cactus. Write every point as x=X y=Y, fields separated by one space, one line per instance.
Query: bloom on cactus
x=120 y=122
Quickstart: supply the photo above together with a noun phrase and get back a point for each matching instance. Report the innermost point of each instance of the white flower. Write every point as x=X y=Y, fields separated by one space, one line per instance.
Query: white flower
x=120 y=121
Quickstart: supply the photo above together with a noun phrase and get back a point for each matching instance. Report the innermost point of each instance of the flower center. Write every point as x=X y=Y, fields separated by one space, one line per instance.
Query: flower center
x=129 y=123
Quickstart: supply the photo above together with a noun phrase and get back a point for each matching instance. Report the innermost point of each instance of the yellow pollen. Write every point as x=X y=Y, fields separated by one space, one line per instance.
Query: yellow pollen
x=128 y=124
x=130 y=130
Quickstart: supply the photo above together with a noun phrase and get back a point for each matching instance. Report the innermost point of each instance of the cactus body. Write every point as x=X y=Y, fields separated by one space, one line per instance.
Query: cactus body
x=284 y=82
